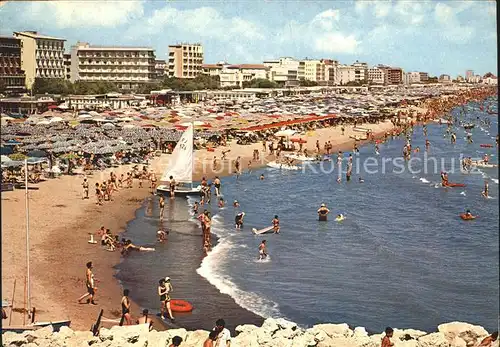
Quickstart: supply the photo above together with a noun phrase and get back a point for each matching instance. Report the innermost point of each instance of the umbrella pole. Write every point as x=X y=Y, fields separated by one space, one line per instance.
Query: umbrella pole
x=27 y=234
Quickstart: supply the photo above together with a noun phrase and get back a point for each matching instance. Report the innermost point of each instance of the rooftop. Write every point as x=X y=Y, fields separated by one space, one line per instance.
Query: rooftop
x=211 y=66
x=248 y=66
x=36 y=35
x=83 y=46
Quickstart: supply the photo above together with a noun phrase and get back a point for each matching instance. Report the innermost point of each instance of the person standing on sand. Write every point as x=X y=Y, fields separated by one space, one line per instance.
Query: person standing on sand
x=126 y=318
x=89 y=282
x=98 y=194
x=85 y=186
x=386 y=341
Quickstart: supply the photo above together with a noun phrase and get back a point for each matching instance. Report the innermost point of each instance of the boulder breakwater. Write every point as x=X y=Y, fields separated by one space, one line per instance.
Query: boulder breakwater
x=272 y=333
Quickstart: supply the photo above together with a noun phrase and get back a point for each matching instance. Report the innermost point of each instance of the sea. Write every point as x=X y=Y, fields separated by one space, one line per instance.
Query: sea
x=402 y=256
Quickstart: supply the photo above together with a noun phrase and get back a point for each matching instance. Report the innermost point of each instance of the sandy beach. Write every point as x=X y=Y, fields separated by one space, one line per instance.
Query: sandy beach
x=60 y=223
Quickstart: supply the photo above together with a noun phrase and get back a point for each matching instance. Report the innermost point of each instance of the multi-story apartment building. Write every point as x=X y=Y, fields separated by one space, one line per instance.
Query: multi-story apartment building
x=235 y=75
x=185 y=60
x=376 y=76
x=285 y=71
x=460 y=79
x=393 y=75
x=424 y=77
x=444 y=78
x=413 y=77
x=213 y=69
x=41 y=56
x=161 y=69
x=360 y=71
x=469 y=74
x=346 y=74
x=12 y=77
x=314 y=70
x=127 y=67
x=330 y=71
x=67 y=65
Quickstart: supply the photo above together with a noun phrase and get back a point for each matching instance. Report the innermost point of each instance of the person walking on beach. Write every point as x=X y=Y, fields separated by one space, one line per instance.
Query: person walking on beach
x=145 y=319
x=223 y=334
x=172 y=185
x=162 y=206
x=386 y=341
x=126 y=318
x=98 y=194
x=85 y=186
x=217 y=184
x=89 y=282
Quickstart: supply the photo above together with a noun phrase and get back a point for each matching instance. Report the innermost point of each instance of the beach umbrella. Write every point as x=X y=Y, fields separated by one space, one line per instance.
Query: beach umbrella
x=17 y=157
x=84 y=116
x=37 y=154
x=108 y=126
x=43 y=122
x=6 y=150
x=94 y=113
x=128 y=126
x=12 y=143
x=7 y=118
x=5 y=158
x=56 y=120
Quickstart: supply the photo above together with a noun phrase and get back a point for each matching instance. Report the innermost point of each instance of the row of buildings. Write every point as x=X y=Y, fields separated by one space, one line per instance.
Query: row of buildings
x=29 y=55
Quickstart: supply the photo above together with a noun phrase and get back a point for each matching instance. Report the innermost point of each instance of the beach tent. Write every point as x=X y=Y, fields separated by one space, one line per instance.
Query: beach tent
x=37 y=154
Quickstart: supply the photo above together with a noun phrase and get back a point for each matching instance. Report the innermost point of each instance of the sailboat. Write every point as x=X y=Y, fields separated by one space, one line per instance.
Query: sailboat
x=181 y=167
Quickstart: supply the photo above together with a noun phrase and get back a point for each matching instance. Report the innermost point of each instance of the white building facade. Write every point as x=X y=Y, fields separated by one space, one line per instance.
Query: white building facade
x=41 y=56
x=376 y=76
x=284 y=71
x=235 y=75
x=128 y=67
x=346 y=74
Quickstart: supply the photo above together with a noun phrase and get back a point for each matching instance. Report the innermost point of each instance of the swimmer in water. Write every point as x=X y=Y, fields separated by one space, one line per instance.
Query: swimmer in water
x=427 y=144
x=262 y=250
x=236 y=203
x=323 y=212
x=276 y=224
x=261 y=177
x=162 y=206
x=377 y=149
x=453 y=138
x=221 y=203
x=417 y=150
x=486 y=158
x=238 y=220
x=161 y=236
x=468 y=214
x=195 y=207
x=361 y=180
x=339 y=179
x=485 y=191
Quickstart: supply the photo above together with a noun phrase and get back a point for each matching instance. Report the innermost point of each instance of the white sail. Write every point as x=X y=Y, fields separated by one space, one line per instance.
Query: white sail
x=180 y=166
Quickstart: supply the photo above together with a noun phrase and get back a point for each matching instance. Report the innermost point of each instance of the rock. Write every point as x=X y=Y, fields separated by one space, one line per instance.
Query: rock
x=458 y=342
x=398 y=333
x=177 y=332
x=287 y=334
x=304 y=340
x=285 y=324
x=241 y=329
x=11 y=338
x=196 y=338
x=433 y=340
x=335 y=329
x=66 y=331
x=158 y=338
x=467 y=332
x=360 y=332
x=245 y=340
x=105 y=334
x=270 y=326
x=263 y=335
x=43 y=333
x=409 y=343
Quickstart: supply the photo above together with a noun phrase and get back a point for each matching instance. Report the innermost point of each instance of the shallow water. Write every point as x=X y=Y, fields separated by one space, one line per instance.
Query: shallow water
x=402 y=257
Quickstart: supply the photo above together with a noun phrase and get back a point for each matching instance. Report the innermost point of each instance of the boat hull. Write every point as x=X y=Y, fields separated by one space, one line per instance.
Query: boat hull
x=180 y=191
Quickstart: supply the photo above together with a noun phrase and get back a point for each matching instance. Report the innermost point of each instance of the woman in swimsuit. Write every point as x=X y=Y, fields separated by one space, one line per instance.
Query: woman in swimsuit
x=217 y=186
x=276 y=225
x=162 y=293
x=126 y=309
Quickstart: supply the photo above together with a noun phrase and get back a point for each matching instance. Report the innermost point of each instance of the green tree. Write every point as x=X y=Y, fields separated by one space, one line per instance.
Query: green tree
x=146 y=88
x=52 y=86
x=260 y=83
x=200 y=82
x=307 y=83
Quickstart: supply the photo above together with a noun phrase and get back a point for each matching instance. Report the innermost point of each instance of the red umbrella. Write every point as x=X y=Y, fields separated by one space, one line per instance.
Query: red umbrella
x=298 y=140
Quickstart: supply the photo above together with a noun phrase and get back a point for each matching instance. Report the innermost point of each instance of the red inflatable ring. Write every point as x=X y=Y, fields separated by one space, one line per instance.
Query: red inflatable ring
x=486 y=145
x=465 y=217
x=180 y=306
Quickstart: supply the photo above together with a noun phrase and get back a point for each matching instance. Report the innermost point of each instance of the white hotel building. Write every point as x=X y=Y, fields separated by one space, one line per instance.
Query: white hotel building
x=41 y=56
x=128 y=67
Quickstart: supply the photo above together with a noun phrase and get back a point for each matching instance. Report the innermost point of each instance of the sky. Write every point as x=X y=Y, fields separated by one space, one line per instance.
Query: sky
x=439 y=37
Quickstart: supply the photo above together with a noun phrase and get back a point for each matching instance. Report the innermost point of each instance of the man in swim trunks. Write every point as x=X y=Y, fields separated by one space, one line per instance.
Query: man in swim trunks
x=485 y=192
x=172 y=185
x=276 y=224
x=238 y=220
x=262 y=250
x=85 y=185
x=323 y=212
